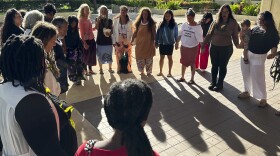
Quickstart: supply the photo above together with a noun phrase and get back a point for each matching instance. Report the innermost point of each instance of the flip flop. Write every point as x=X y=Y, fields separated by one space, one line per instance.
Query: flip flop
x=91 y=72
x=181 y=80
x=111 y=71
x=88 y=74
x=169 y=75
x=191 y=82
x=263 y=104
x=246 y=61
x=159 y=74
x=243 y=95
x=101 y=71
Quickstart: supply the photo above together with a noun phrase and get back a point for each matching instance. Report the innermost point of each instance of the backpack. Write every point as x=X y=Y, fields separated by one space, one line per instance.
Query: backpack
x=68 y=137
x=123 y=63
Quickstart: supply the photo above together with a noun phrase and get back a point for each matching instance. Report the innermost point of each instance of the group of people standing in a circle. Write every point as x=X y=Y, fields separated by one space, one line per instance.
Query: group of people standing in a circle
x=49 y=52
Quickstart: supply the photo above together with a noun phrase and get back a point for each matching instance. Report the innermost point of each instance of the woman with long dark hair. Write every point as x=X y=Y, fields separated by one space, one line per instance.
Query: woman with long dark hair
x=201 y=61
x=12 y=25
x=145 y=34
x=264 y=37
x=221 y=33
x=74 y=47
x=167 y=35
x=127 y=115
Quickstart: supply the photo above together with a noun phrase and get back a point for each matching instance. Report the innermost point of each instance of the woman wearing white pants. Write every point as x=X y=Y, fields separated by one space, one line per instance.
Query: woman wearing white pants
x=264 y=37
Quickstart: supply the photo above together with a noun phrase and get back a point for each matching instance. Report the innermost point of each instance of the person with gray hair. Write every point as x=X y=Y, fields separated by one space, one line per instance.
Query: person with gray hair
x=62 y=27
x=30 y=19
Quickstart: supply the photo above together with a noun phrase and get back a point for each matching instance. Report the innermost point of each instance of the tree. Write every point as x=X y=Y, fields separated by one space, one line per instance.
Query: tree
x=94 y=6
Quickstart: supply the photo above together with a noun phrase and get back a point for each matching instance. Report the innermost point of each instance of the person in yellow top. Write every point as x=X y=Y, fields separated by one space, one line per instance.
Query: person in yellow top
x=145 y=34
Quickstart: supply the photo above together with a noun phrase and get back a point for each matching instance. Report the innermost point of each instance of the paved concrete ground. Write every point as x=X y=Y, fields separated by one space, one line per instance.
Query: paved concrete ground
x=188 y=119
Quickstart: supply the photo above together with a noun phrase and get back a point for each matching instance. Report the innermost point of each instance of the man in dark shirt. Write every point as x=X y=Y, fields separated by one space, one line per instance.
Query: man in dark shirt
x=50 y=11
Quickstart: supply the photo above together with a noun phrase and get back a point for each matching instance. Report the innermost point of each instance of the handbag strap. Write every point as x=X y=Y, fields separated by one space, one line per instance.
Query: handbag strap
x=89 y=146
x=275 y=70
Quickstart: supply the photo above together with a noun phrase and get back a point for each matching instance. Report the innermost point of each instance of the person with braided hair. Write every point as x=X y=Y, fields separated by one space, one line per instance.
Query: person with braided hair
x=29 y=122
x=127 y=115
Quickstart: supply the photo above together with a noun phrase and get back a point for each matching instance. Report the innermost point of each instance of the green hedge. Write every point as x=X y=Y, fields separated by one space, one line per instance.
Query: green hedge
x=173 y=5
x=61 y=5
x=202 y=5
x=135 y=3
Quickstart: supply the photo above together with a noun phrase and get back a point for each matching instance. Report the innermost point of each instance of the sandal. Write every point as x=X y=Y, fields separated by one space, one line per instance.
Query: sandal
x=263 y=103
x=91 y=72
x=101 y=71
x=246 y=61
x=159 y=74
x=181 y=80
x=111 y=71
x=169 y=75
x=88 y=73
x=243 y=95
x=191 y=82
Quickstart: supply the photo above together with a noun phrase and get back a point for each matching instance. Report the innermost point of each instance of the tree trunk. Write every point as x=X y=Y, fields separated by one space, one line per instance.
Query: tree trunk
x=94 y=6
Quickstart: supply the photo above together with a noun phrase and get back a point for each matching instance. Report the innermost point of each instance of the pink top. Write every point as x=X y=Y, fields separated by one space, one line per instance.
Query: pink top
x=86 y=31
x=101 y=152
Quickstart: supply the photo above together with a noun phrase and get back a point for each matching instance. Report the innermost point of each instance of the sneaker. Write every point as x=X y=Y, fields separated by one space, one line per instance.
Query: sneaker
x=218 y=88
x=211 y=87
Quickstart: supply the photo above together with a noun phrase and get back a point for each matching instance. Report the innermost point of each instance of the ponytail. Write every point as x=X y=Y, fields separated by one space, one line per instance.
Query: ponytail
x=126 y=113
x=136 y=141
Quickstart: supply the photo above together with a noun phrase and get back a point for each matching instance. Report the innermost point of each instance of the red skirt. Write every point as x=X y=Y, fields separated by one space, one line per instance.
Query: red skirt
x=188 y=55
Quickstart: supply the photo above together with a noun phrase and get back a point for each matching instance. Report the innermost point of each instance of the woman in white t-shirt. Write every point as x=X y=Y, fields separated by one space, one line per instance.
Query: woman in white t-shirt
x=191 y=36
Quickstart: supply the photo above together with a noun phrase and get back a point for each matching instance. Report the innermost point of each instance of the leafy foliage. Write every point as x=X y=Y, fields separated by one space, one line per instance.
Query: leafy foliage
x=135 y=3
x=235 y=8
x=200 y=5
x=172 y=4
x=251 y=10
x=61 y=5
x=245 y=8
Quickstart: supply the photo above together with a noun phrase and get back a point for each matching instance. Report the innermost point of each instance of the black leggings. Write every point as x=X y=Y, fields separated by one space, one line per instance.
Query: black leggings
x=220 y=56
x=1 y=145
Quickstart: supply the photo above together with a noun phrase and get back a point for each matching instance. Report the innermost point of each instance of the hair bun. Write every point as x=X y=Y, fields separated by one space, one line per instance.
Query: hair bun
x=190 y=12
